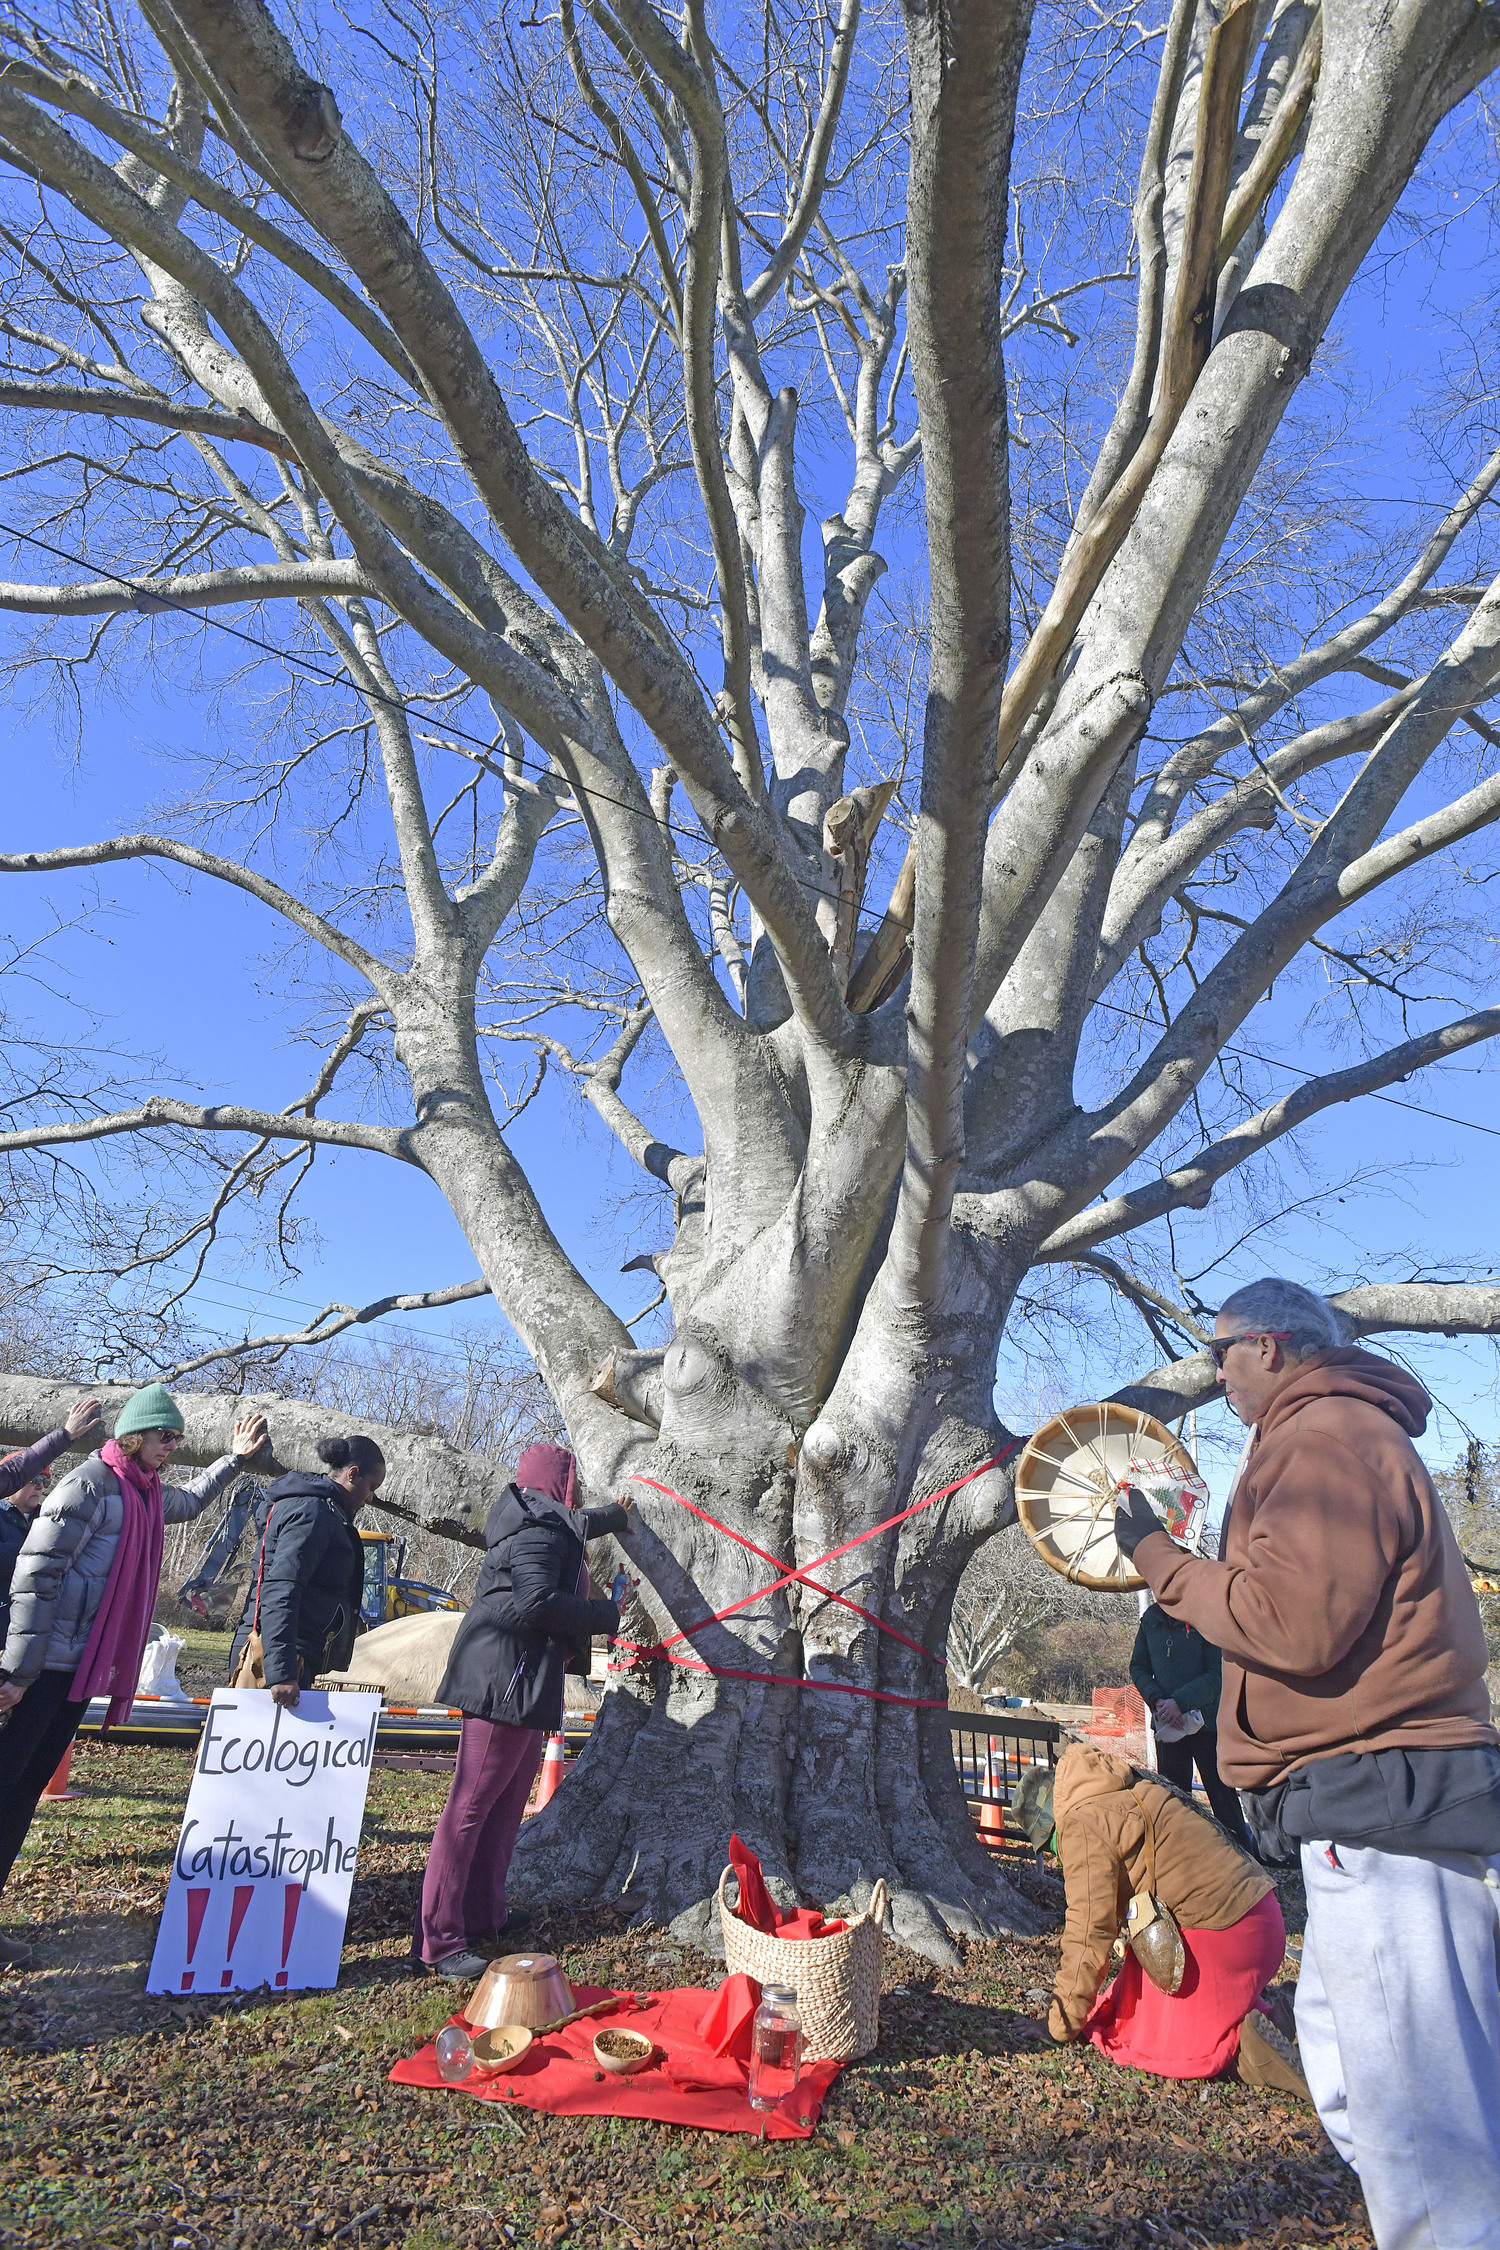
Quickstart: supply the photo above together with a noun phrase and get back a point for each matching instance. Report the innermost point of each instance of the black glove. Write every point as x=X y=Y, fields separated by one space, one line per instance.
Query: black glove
x=1135 y=1521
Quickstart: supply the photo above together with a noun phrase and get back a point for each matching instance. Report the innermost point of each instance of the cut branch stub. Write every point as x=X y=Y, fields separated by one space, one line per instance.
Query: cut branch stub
x=631 y=1382
x=848 y=831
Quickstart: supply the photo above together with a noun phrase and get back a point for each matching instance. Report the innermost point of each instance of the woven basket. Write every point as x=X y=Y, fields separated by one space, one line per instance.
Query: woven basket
x=836 y=1979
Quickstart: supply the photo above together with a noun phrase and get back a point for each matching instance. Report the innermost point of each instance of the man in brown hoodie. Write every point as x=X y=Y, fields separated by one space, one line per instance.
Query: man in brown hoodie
x=1355 y=1722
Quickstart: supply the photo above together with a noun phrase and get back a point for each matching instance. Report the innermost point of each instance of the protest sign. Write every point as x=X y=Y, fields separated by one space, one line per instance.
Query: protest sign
x=259 y=1892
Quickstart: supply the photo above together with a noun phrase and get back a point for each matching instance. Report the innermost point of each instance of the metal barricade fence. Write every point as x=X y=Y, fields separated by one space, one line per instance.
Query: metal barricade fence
x=992 y=1751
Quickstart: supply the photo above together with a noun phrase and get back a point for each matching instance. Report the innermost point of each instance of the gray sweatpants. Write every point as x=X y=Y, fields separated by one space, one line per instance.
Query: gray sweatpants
x=1398 y=2021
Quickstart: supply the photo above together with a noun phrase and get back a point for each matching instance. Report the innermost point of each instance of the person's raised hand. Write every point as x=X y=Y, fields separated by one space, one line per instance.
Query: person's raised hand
x=287 y=1695
x=82 y=1418
x=250 y=1435
x=1135 y=1520
x=628 y=1504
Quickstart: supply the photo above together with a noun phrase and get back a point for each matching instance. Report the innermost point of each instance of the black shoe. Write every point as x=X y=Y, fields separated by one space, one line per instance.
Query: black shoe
x=460 y=1968
x=515 y=1922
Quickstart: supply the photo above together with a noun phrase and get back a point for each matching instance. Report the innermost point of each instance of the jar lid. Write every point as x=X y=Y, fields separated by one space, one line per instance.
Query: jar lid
x=782 y=1992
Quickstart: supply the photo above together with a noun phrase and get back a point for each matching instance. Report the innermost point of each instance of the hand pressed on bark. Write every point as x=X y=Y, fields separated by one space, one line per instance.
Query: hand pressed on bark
x=82 y=1418
x=250 y=1436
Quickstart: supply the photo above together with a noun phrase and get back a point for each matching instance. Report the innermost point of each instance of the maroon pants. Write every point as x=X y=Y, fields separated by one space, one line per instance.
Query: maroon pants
x=463 y=1891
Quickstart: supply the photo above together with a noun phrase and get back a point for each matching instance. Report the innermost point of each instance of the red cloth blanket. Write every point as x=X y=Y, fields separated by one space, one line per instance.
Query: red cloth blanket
x=686 y=2083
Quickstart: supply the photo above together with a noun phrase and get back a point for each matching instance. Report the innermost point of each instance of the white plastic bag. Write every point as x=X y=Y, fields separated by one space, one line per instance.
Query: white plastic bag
x=159 y=1668
x=1190 y=1723
x=1177 y=1494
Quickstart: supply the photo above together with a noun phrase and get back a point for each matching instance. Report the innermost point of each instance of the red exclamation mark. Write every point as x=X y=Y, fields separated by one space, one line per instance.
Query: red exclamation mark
x=243 y=1893
x=294 y=1894
x=197 y=1907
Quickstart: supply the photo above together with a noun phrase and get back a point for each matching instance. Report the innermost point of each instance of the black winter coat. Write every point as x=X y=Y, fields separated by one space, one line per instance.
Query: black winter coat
x=528 y=1624
x=1171 y=1658
x=312 y=1578
x=14 y=1525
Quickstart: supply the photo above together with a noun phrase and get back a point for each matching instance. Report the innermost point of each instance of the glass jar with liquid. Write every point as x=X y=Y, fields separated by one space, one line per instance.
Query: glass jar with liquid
x=776 y=2048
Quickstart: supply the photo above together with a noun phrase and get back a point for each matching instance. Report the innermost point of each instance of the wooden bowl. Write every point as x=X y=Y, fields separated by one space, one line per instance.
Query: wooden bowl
x=500 y=2049
x=623 y=2065
x=1066 y=1488
x=524 y=1988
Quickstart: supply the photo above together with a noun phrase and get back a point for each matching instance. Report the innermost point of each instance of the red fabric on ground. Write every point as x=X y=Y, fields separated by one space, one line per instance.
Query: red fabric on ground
x=1195 y=2031
x=729 y=2025
x=686 y=2084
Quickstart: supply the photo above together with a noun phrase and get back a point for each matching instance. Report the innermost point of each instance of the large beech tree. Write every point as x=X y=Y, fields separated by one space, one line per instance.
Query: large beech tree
x=485 y=372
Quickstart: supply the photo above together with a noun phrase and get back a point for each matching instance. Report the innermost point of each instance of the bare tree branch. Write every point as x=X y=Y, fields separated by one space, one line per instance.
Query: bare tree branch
x=325 y=1325
x=1190 y=1185
x=210 y=589
x=63 y=398
x=1446 y=1308
x=222 y=1117
x=386 y=981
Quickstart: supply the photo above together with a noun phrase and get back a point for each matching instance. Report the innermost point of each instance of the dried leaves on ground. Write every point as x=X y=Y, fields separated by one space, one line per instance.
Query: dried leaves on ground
x=134 y=2123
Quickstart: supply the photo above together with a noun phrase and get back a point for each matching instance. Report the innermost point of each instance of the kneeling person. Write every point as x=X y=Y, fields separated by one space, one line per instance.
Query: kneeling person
x=1118 y=1833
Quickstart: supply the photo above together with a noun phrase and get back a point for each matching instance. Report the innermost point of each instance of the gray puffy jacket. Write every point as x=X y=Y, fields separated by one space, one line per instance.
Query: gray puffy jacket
x=64 y=1565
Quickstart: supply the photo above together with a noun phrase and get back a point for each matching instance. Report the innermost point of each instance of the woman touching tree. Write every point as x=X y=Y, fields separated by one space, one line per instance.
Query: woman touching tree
x=82 y=1593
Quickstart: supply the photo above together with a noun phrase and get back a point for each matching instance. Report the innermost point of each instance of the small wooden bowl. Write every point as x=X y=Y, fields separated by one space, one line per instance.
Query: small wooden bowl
x=623 y=2065
x=501 y=2048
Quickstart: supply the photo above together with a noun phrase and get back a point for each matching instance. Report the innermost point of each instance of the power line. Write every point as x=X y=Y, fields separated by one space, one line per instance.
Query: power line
x=407 y=706
x=1249 y=1054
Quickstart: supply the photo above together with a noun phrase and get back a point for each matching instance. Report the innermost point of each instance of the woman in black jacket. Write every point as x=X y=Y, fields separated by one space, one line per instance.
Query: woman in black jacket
x=1177 y=1671
x=532 y=1621
x=311 y=1575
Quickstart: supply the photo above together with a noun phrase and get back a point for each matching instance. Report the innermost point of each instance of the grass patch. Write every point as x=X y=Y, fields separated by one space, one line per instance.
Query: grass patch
x=128 y=2121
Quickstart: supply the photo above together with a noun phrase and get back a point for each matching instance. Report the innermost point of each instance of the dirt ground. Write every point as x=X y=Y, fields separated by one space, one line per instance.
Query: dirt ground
x=127 y=2121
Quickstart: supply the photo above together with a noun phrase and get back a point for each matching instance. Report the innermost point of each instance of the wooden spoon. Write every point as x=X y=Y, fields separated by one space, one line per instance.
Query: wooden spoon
x=599 y=2008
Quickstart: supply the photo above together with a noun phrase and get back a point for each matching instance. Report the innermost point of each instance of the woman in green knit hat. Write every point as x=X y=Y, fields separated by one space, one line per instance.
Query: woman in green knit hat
x=82 y=1594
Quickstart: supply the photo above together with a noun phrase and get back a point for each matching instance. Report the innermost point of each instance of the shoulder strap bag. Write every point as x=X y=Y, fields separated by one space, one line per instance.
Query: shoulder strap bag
x=1151 y=1928
x=252 y=1665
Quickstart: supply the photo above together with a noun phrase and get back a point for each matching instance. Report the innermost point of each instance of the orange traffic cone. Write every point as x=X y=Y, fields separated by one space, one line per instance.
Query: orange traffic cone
x=550 y=1779
x=58 y=1785
x=991 y=1823
x=991 y=1811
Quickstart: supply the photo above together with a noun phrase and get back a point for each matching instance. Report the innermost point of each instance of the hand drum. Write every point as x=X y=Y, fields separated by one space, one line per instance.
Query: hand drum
x=1067 y=1485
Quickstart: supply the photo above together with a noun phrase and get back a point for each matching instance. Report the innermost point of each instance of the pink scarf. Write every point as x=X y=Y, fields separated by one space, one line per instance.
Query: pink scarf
x=111 y=1664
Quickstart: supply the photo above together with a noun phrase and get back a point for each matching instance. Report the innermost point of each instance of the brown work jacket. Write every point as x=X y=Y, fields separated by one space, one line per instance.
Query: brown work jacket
x=1342 y=1605
x=1207 y=1881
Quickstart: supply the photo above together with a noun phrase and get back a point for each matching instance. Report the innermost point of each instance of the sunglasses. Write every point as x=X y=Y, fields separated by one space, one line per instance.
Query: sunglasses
x=168 y=1437
x=1219 y=1345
